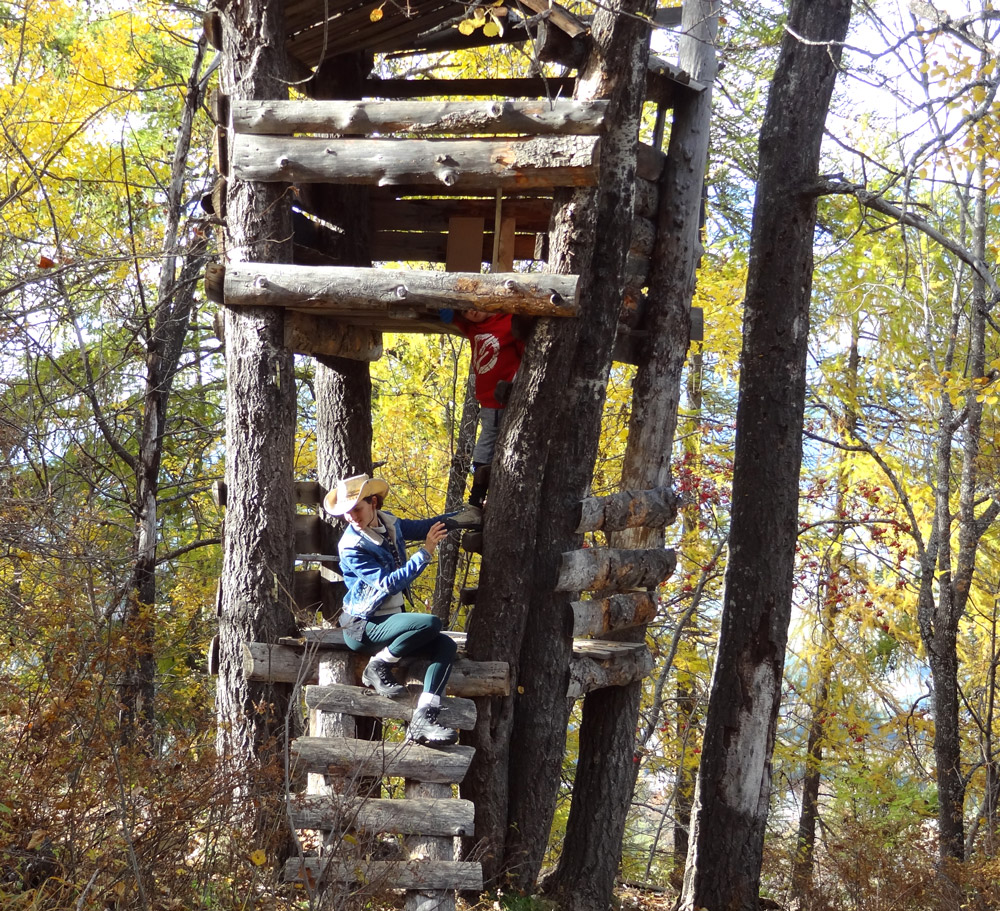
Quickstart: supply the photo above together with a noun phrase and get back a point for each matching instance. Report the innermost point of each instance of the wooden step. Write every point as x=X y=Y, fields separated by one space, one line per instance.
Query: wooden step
x=381 y=759
x=419 y=875
x=419 y=816
x=299 y=664
x=357 y=700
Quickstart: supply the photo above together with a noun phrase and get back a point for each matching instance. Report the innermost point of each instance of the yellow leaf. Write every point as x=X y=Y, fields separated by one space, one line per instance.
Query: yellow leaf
x=466 y=26
x=258 y=858
x=376 y=14
x=479 y=16
x=491 y=29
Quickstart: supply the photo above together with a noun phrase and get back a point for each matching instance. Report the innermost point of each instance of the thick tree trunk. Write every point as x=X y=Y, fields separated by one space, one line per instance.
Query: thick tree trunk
x=260 y=423
x=733 y=787
x=591 y=852
x=543 y=467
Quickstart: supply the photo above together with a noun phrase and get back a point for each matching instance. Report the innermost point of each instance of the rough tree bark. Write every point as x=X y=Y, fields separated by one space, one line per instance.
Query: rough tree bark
x=258 y=553
x=606 y=770
x=543 y=466
x=731 y=800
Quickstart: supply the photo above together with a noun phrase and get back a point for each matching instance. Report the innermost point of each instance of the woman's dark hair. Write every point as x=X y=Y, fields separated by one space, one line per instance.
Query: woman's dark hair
x=379 y=500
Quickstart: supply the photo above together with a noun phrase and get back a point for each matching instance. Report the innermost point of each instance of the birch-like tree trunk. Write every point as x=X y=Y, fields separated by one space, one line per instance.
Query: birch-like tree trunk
x=734 y=780
x=166 y=328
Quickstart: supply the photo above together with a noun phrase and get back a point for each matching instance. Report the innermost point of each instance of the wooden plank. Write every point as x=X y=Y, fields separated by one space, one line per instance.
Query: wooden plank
x=620 y=611
x=465 y=244
x=378 y=875
x=263 y=663
x=466 y=118
x=311 y=535
x=587 y=674
x=333 y=288
x=509 y=163
x=356 y=700
x=558 y=16
x=381 y=759
x=506 y=246
x=656 y=508
x=315 y=335
x=609 y=569
x=341 y=813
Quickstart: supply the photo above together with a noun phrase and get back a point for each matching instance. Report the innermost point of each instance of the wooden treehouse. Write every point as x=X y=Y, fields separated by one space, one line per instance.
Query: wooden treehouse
x=463 y=182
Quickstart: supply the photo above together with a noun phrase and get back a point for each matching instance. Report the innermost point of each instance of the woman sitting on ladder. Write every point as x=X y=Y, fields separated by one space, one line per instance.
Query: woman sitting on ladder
x=375 y=567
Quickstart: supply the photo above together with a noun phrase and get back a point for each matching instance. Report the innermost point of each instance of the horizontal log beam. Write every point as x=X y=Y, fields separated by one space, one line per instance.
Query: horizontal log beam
x=321 y=336
x=608 y=569
x=381 y=759
x=362 y=118
x=655 y=508
x=508 y=163
x=589 y=674
x=355 y=700
x=379 y=875
x=620 y=611
x=421 y=816
x=263 y=663
x=336 y=288
x=532 y=87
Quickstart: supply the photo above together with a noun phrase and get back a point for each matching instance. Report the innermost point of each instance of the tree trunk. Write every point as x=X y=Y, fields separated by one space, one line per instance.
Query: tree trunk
x=458 y=474
x=543 y=466
x=733 y=787
x=258 y=550
x=608 y=764
x=167 y=329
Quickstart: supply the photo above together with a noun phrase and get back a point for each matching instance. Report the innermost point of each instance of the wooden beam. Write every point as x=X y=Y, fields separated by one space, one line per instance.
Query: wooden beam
x=620 y=611
x=656 y=508
x=269 y=663
x=587 y=674
x=531 y=87
x=354 y=700
x=510 y=163
x=380 y=875
x=381 y=759
x=315 y=335
x=332 y=288
x=607 y=569
x=466 y=118
x=341 y=813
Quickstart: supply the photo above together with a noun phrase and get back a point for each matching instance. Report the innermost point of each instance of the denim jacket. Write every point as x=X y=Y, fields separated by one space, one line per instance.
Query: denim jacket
x=369 y=569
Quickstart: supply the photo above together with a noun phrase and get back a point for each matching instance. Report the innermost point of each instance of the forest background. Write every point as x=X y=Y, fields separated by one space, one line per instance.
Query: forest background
x=111 y=420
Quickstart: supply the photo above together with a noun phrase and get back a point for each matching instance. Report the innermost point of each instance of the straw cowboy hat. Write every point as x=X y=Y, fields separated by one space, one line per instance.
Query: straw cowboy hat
x=341 y=499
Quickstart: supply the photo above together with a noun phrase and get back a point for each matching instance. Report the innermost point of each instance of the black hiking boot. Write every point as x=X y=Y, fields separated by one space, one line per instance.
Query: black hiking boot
x=424 y=728
x=378 y=675
x=468 y=517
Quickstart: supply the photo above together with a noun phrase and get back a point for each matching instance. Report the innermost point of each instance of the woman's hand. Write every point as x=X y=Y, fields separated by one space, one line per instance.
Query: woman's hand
x=434 y=536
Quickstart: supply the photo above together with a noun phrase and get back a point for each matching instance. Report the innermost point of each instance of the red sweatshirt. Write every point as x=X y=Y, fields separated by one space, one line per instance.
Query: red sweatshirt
x=496 y=354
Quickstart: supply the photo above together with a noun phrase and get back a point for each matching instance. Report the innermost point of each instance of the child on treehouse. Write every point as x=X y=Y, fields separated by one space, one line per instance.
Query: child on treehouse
x=378 y=574
x=498 y=341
